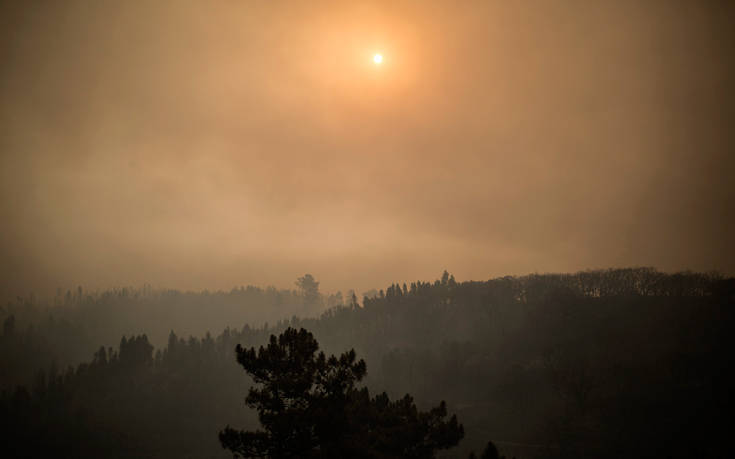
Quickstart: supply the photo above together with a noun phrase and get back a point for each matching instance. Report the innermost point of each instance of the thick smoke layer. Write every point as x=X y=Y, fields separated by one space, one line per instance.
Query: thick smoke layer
x=199 y=145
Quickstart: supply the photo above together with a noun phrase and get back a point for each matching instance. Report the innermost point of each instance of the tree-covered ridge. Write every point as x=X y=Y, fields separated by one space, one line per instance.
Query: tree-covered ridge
x=603 y=364
x=64 y=330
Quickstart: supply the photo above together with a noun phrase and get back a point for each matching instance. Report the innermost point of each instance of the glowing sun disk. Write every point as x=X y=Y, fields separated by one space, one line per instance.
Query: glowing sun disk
x=378 y=58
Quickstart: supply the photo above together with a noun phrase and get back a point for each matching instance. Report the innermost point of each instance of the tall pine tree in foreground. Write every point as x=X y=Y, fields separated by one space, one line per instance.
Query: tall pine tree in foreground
x=309 y=407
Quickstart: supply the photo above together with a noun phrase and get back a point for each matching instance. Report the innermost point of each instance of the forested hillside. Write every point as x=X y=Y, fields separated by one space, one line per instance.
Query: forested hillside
x=62 y=331
x=615 y=363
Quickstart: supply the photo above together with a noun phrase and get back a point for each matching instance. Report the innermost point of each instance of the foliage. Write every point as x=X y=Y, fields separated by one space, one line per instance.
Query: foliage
x=594 y=364
x=309 y=406
x=490 y=452
x=309 y=290
x=67 y=327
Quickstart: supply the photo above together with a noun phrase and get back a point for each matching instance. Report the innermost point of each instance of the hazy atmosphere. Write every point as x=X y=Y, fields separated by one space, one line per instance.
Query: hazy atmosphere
x=367 y=230
x=206 y=145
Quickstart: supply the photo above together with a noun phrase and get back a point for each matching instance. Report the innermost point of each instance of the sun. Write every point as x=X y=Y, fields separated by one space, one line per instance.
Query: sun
x=378 y=59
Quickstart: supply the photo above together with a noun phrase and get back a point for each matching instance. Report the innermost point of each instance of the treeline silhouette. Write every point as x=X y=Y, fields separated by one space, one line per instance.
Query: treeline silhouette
x=63 y=331
x=615 y=363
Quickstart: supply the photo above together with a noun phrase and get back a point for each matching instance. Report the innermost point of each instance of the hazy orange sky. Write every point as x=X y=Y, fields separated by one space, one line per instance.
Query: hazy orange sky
x=212 y=144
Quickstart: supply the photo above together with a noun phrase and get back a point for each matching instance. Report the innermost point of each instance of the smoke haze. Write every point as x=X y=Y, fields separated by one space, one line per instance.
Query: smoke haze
x=195 y=145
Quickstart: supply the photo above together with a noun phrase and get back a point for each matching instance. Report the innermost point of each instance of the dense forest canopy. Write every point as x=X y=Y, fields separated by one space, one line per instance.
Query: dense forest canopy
x=596 y=363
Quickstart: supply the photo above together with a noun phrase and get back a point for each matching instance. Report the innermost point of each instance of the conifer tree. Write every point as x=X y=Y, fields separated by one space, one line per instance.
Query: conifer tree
x=309 y=406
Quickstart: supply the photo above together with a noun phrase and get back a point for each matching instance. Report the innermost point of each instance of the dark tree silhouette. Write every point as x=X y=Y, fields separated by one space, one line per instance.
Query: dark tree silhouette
x=309 y=406
x=309 y=289
x=490 y=452
x=606 y=363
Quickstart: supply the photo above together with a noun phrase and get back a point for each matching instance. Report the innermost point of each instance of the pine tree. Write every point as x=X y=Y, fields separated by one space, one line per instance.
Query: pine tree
x=309 y=406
